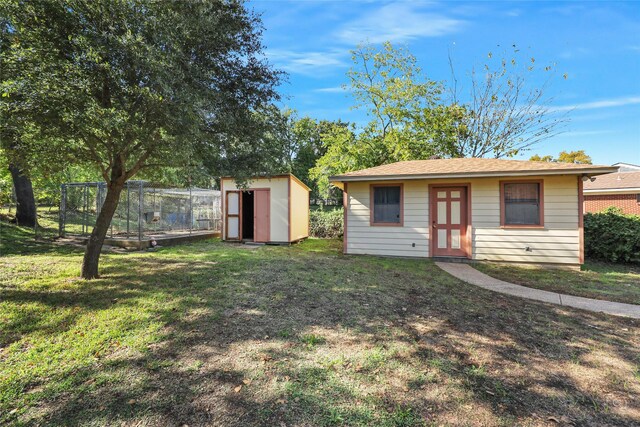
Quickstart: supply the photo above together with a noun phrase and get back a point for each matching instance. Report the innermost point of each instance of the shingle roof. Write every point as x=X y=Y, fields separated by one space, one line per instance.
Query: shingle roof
x=440 y=168
x=614 y=181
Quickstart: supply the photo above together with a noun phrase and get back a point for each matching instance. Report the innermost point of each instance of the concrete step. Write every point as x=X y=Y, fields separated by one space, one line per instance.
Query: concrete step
x=455 y=259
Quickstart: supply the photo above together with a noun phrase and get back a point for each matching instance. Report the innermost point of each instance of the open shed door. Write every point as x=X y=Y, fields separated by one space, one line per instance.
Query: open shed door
x=262 y=216
x=233 y=215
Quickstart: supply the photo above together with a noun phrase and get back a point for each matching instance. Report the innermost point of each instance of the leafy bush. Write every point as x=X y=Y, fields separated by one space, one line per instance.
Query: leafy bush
x=612 y=236
x=326 y=224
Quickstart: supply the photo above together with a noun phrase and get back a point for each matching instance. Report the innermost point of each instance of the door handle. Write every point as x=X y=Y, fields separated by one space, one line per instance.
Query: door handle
x=434 y=225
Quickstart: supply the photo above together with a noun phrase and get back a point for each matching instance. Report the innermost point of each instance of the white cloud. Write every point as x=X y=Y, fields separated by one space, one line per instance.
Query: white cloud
x=310 y=63
x=575 y=53
x=398 y=22
x=334 y=89
x=604 y=103
x=582 y=133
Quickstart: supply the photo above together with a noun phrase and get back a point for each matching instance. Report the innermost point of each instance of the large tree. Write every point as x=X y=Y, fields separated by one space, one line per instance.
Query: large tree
x=128 y=84
x=508 y=107
x=11 y=125
x=295 y=143
x=578 y=156
x=408 y=118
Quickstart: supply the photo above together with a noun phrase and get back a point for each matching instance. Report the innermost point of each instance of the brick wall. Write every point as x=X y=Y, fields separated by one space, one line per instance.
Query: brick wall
x=627 y=202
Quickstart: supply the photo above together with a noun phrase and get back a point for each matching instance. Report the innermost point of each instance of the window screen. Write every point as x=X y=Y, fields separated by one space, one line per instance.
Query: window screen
x=522 y=204
x=386 y=205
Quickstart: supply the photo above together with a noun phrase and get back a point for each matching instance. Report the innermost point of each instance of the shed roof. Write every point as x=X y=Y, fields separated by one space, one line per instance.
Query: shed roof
x=268 y=177
x=469 y=167
x=614 y=181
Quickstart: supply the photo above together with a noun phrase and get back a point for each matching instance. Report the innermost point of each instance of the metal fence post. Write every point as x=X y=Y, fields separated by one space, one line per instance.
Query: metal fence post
x=63 y=210
x=128 y=206
x=85 y=215
x=140 y=201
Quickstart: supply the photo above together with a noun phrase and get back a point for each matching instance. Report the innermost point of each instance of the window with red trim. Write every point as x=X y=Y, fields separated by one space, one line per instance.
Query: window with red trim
x=387 y=205
x=521 y=202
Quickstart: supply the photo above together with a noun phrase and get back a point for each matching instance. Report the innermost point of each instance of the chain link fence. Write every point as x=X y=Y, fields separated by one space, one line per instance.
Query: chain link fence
x=143 y=210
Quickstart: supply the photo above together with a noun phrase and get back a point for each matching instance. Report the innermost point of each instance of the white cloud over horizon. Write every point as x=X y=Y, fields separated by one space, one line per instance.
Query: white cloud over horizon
x=398 y=21
x=309 y=63
x=603 y=103
x=333 y=89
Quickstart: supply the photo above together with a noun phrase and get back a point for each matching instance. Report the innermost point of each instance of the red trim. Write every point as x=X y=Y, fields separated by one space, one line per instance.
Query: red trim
x=371 y=202
x=255 y=214
x=469 y=234
x=581 y=218
x=466 y=236
x=308 y=214
x=345 y=209
x=238 y=215
x=541 y=210
x=289 y=207
x=222 y=211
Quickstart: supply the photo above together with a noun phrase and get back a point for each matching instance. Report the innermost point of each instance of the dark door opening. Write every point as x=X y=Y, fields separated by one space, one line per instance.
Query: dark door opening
x=247 y=215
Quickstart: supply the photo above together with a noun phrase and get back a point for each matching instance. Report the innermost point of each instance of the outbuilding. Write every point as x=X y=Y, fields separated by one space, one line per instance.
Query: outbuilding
x=479 y=209
x=271 y=209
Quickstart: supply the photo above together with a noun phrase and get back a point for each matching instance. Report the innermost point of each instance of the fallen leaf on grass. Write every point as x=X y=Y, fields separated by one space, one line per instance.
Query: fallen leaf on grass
x=131 y=401
x=237 y=389
x=265 y=357
x=246 y=381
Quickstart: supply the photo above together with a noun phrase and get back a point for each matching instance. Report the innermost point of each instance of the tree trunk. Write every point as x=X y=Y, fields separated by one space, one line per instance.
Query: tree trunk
x=26 y=214
x=94 y=244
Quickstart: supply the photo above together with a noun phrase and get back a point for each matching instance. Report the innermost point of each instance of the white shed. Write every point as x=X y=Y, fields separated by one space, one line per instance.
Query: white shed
x=268 y=210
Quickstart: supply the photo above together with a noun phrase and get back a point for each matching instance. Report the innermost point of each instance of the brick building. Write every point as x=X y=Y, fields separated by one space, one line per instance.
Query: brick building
x=620 y=189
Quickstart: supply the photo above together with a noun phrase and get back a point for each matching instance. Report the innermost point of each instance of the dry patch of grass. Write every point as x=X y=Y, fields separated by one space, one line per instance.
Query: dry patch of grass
x=211 y=334
x=611 y=282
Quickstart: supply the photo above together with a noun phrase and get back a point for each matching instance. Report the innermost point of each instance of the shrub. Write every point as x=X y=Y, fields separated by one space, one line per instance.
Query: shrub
x=612 y=236
x=326 y=224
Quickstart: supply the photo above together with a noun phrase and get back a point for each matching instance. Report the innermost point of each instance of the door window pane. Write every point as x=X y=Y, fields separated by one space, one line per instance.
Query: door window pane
x=233 y=230
x=455 y=238
x=386 y=205
x=442 y=212
x=233 y=207
x=442 y=238
x=522 y=204
x=455 y=213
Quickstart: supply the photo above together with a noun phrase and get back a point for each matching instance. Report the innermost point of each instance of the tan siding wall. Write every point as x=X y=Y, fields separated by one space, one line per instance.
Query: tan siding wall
x=299 y=211
x=279 y=204
x=362 y=238
x=558 y=242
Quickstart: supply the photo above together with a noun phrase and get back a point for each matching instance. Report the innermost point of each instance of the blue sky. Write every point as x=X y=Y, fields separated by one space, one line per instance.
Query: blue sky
x=597 y=44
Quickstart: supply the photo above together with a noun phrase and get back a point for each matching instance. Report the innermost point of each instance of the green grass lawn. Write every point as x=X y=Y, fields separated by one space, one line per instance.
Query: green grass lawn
x=612 y=282
x=218 y=334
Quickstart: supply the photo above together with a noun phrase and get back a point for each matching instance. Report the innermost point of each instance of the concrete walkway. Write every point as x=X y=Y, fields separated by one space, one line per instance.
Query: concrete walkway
x=468 y=274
